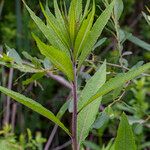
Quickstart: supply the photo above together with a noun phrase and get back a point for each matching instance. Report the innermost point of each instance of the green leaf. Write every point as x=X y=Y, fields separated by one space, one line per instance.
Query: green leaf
x=72 y=20
x=139 y=42
x=22 y=68
x=91 y=145
x=147 y=17
x=95 y=33
x=26 y=68
x=101 y=120
x=35 y=61
x=86 y=8
x=99 y=43
x=33 y=78
x=52 y=24
x=47 y=64
x=125 y=138
x=34 y=106
x=83 y=32
x=61 y=21
x=118 y=9
x=12 y=53
x=75 y=13
x=93 y=85
x=63 y=109
x=78 y=10
x=48 y=32
x=59 y=58
x=86 y=116
x=110 y=146
x=118 y=81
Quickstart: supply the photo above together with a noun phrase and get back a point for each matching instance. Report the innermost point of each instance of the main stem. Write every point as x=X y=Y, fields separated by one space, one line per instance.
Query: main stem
x=74 y=114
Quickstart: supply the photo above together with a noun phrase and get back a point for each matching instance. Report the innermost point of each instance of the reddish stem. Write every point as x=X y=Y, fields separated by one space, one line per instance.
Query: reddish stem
x=74 y=114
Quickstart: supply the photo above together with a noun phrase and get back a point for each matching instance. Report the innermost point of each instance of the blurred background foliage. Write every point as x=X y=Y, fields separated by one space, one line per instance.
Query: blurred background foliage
x=15 y=31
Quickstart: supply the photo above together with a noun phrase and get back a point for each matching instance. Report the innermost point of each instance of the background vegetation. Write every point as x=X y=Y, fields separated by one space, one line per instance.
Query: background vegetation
x=29 y=130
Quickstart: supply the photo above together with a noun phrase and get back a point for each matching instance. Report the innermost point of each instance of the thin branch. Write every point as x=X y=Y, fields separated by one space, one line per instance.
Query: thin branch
x=63 y=146
x=119 y=66
x=7 y=115
x=60 y=79
x=49 y=142
x=51 y=137
x=13 y=118
x=120 y=97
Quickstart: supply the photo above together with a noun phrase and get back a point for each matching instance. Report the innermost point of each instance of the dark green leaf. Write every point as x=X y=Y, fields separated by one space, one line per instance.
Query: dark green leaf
x=34 y=78
x=125 y=138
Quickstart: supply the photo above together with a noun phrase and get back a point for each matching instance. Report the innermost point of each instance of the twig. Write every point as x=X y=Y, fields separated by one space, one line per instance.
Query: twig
x=119 y=66
x=7 y=115
x=13 y=119
x=51 y=137
x=49 y=142
x=60 y=79
x=63 y=146
x=120 y=97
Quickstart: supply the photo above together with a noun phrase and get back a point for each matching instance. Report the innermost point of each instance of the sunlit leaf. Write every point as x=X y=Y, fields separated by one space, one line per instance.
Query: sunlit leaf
x=59 y=58
x=83 y=32
x=95 y=33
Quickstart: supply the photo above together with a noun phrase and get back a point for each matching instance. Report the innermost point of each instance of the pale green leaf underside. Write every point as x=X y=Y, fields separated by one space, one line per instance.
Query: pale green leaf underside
x=125 y=138
x=118 y=81
x=59 y=58
x=139 y=42
x=93 y=85
x=34 y=106
x=118 y=9
x=87 y=116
